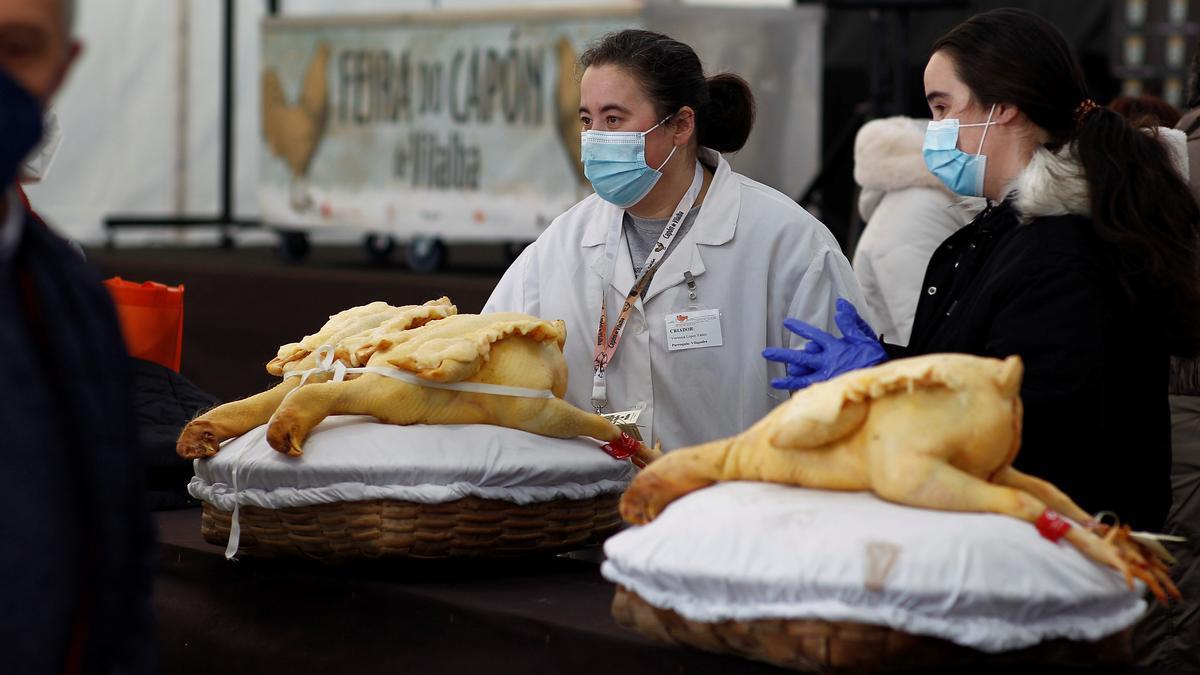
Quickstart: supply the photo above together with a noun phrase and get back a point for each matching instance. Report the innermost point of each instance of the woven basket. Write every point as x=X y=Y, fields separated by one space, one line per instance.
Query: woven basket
x=824 y=646
x=468 y=527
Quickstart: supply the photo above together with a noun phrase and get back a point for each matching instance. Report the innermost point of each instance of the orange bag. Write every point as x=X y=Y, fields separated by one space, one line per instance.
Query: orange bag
x=151 y=317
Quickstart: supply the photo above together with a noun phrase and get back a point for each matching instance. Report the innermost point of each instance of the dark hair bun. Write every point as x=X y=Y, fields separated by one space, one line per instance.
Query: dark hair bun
x=726 y=120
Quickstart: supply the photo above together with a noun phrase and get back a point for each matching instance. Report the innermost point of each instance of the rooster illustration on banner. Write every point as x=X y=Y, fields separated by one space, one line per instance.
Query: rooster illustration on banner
x=294 y=130
x=568 y=105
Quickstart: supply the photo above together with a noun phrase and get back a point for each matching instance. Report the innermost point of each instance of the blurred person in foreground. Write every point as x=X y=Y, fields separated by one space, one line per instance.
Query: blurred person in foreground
x=76 y=571
x=908 y=214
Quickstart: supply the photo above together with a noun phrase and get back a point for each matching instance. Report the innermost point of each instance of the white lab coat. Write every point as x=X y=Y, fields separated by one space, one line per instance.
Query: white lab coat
x=754 y=254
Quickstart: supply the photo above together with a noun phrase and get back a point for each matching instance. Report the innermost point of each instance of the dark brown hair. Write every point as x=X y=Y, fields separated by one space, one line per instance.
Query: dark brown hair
x=1141 y=208
x=670 y=73
x=1146 y=111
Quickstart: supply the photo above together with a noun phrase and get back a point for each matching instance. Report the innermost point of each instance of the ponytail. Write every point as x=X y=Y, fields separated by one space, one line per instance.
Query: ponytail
x=1145 y=214
x=724 y=123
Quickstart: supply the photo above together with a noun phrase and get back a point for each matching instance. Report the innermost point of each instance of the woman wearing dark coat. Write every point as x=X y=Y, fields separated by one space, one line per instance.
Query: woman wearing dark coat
x=1085 y=263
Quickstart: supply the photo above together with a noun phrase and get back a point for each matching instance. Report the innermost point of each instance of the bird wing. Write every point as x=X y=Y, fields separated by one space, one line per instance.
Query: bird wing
x=832 y=410
x=354 y=325
x=314 y=91
x=274 y=102
x=455 y=348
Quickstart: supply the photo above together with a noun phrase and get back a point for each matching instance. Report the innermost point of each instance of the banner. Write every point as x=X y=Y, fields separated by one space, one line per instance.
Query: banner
x=418 y=125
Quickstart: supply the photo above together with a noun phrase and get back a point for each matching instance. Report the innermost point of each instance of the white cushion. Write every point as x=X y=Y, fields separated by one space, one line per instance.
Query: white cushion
x=746 y=551
x=355 y=458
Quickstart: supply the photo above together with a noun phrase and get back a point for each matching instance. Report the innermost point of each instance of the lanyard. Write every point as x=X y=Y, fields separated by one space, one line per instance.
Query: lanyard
x=606 y=344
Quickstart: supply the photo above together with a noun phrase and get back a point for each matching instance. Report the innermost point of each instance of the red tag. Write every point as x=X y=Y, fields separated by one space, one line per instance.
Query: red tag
x=623 y=448
x=1052 y=526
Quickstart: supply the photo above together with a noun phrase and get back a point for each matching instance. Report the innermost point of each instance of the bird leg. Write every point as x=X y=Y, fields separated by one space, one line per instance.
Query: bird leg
x=1139 y=561
x=919 y=480
x=1043 y=490
x=202 y=437
x=557 y=418
x=302 y=410
x=671 y=477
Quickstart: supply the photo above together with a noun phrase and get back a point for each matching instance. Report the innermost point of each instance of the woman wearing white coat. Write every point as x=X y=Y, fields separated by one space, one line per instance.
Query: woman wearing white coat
x=729 y=258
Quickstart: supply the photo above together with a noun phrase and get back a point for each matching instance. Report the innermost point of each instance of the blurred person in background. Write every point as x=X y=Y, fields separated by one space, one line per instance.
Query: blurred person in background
x=1145 y=111
x=1168 y=638
x=908 y=213
x=76 y=572
x=1189 y=124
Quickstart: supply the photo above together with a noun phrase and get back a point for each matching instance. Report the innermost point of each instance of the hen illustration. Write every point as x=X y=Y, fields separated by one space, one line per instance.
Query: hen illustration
x=938 y=432
x=294 y=131
x=431 y=345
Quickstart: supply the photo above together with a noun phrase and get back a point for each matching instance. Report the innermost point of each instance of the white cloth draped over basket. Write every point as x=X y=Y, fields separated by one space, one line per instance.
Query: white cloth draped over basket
x=746 y=551
x=354 y=458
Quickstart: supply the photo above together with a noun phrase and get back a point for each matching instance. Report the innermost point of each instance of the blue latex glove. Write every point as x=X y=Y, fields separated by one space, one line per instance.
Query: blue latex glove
x=825 y=356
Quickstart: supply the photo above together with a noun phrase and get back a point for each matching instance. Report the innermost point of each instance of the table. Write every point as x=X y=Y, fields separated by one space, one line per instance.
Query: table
x=510 y=616
x=255 y=616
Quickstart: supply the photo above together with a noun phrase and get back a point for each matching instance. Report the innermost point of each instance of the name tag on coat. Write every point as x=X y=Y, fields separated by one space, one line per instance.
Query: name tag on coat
x=693 y=329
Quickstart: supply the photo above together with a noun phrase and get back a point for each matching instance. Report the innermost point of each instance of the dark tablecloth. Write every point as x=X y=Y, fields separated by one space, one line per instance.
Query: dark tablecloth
x=508 y=616
x=546 y=615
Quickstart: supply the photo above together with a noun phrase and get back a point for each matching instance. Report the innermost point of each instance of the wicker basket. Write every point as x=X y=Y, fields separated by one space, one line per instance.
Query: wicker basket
x=823 y=646
x=468 y=527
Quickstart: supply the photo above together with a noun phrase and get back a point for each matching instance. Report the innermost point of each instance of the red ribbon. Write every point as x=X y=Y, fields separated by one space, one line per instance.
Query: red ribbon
x=1052 y=526
x=623 y=448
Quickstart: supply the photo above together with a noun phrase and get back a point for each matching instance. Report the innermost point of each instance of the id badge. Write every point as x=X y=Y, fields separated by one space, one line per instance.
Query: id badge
x=626 y=421
x=693 y=329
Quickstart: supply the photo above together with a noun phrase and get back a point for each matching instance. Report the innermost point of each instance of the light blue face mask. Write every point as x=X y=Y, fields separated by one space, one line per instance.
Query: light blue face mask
x=615 y=163
x=961 y=172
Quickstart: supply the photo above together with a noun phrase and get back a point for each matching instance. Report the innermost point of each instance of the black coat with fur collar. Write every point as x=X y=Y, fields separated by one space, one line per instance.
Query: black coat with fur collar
x=1095 y=387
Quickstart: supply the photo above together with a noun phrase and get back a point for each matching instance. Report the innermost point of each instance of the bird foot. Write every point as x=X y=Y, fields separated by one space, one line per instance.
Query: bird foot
x=197 y=441
x=285 y=434
x=1139 y=562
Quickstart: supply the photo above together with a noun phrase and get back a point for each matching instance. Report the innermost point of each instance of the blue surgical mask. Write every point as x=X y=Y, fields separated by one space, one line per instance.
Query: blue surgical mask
x=961 y=172
x=21 y=120
x=615 y=163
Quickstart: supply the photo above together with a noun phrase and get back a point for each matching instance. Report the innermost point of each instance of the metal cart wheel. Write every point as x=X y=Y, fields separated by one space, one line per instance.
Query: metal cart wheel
x=425 y=254
x=380 y=247
x=294 y=245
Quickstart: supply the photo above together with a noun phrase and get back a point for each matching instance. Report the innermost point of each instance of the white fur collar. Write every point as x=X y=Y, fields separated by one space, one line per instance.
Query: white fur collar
x=1052 y=184
x=1055 y=184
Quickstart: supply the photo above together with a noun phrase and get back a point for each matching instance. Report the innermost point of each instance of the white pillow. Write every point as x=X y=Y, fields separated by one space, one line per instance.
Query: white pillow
x=745 y=551
x=355 y=458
